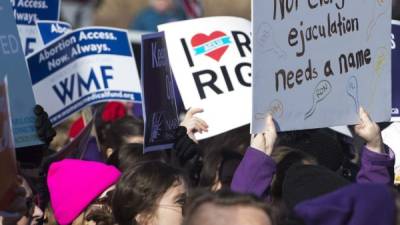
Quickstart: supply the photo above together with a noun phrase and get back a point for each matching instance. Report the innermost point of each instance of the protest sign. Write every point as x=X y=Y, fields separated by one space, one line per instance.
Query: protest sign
x=8 y=164
x=26 y=13
x=84 y=67
x=50 y=30
x=390 y=136
x=395 y=38
x=12 y=64
x=160 y=112
x=211 y=62
x=316 y=62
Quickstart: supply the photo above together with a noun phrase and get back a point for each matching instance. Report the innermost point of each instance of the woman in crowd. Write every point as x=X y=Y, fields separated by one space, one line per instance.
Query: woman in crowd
x=78 y=188
x=151 y=193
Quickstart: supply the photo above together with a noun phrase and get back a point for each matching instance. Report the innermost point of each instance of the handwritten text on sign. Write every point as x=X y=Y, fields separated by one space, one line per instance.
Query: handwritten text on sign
x=317 y=62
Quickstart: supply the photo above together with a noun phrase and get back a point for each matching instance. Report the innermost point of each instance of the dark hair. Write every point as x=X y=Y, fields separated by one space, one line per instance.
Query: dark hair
x=129 y=155
x=289 y=158
x=323 y=144
x=223 y=198
x=140 y=188
x=121 y=129
x=219 y=164
x=235 y=140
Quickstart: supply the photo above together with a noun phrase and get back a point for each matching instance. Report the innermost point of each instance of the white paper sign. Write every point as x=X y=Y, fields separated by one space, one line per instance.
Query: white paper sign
x=390 y=137
x=316 y=62
x=211 y=62
x=84 y=67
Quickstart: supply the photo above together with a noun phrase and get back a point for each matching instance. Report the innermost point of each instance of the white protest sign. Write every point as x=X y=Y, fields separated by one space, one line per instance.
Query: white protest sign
x=26 y=13
x=84 y=67
x=390 y=137
x=316 y=62
x=211 y=62
x=50 y=30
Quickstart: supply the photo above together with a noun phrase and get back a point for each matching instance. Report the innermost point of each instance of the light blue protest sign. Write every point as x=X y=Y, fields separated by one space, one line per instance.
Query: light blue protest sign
x=26 y=13
x=13 y=65
x=316 y=62
x=50 y=30
x=84 y=67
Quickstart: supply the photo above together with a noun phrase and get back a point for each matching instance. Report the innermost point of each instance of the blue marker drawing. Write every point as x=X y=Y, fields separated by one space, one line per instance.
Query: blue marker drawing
x=352 y=91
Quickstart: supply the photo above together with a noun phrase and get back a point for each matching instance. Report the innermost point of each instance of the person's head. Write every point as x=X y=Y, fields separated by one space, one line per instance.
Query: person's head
x=77 y=187
x=34 y=214
x=218 y=169
x=322 y=144
x=123 y=131
x=23 y=209
x=128 y=155
x=286 y=157
x=227 y=208
x=161 y=5
x=151 y=193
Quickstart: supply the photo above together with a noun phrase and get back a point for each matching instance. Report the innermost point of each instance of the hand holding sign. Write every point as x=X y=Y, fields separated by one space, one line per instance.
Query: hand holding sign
x=370 y=132
x=265 y=142
x=194 y=124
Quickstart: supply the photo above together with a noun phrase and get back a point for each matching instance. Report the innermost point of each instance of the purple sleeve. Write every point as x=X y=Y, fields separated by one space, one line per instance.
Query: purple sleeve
x=375 y=167
x=254 y=173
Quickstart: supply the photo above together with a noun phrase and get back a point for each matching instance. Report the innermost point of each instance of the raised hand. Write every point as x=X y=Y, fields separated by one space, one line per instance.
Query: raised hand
x=265 y=142
x=194 y=124
x=370 y=132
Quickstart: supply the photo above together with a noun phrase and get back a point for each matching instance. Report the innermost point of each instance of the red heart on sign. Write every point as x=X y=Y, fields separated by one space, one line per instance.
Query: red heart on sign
x=200 y=39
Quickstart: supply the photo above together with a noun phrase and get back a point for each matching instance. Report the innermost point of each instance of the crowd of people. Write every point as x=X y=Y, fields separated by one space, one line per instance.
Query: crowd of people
x=307 y=177
x=310 y=177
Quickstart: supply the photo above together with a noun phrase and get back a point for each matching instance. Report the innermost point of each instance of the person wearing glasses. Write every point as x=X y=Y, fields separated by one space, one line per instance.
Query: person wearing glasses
x=150 y=193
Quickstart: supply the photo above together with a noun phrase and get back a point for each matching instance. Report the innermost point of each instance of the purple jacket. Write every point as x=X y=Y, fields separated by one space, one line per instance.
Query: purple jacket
x=350 y=205
x=256 y=170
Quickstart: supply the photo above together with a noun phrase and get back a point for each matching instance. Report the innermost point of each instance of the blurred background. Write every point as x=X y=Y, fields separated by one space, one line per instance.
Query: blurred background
x=140 y=16
x=122 y=13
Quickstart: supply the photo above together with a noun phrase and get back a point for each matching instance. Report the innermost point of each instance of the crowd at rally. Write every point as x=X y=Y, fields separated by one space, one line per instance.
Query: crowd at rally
x=299 y=177
x=306 y=177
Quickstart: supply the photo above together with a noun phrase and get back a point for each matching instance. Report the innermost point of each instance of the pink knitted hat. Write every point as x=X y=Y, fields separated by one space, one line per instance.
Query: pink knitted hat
x=74 y=184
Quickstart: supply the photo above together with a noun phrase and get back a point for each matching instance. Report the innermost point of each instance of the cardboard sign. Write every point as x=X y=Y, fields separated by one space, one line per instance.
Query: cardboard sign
x=51 y=30
x=211 y=62
x=395 y=38
x=13 y=64
x=316 y=62
x=84 y=67
x=8 y=164
x=161 y=116
x=26 y=13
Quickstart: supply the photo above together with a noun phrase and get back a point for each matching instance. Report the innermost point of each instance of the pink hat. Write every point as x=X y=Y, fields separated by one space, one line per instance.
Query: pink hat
x=74 y=184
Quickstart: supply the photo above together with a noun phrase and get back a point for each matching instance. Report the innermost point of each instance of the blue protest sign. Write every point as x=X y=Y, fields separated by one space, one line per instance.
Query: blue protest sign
x=84 y=67
x=13 y=65
x=50 y=30
x=160 y=109
x=395 y=70
x=26 y=13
